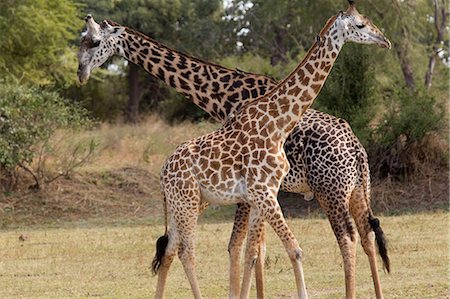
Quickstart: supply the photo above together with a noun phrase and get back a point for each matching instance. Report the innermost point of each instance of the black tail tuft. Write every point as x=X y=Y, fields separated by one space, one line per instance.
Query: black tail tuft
x=381 y=242
x=161 y=245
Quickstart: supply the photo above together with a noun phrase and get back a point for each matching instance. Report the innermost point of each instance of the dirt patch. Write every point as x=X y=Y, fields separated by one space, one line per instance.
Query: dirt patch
x=389 y=197
x=132 y=194
x=119 y=195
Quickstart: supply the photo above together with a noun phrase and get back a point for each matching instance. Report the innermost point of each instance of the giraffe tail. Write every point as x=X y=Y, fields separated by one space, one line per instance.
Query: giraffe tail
x=161 y=243
x=380 y=237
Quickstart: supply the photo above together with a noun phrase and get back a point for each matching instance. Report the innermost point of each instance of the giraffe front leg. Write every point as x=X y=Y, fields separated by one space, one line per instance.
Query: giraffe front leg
x=251 y=254
x=238 y=234
x=271 y=211
x=259 y=267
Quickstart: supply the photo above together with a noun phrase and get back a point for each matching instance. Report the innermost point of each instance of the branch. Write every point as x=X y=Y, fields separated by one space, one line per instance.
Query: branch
x=36 y=186
x=440 y=29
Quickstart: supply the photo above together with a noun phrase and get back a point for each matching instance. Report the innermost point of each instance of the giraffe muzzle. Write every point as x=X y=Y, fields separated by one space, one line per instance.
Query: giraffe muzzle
x=385 y=43
x=83 y=76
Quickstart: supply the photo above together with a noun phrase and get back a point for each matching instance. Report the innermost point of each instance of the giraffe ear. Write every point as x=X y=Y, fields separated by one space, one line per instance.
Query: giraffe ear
x=116 y=31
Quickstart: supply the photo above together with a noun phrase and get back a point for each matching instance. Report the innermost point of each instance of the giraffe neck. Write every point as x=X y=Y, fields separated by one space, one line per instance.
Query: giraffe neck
x=283 y=107
x=217 y=90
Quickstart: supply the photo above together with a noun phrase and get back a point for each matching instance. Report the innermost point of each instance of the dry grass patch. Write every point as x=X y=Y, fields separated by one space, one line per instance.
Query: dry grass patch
x=145 y=145
x=113 y=262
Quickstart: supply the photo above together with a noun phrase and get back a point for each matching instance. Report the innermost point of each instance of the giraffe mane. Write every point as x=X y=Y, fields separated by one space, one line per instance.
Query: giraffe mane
x=328 y=25
x=310 y=51
x=153 y=41
x=302 y=63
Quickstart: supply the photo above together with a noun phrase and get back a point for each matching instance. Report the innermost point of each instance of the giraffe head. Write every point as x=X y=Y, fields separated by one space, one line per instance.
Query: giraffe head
x=97 y=44
x=358 y=28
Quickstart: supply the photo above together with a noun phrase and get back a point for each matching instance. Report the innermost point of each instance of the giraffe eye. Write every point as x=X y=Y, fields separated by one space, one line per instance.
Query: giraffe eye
x=360 y=26
x=95 y=44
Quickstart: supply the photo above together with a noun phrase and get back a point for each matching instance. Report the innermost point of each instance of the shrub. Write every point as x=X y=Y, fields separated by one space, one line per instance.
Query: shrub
x=409 y=114
x=28 y=118
x=350 y=90
x=176 y=108
x=398 y=142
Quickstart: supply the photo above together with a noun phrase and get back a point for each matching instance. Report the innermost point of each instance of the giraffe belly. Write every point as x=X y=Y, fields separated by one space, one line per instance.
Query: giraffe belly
x=296 y=182
x=233 y=193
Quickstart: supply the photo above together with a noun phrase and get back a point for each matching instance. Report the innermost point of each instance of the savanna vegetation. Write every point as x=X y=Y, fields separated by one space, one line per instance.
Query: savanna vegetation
x=74 y=156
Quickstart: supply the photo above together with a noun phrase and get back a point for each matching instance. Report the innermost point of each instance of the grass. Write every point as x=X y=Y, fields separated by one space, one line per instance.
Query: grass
x=113 y=262
x=145 y=145
x=92 y=234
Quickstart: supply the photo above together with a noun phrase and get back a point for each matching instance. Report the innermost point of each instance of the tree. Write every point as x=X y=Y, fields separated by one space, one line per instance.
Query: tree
x=408 y=24
x=278 y=29
x=36 y=34
x=440 y=23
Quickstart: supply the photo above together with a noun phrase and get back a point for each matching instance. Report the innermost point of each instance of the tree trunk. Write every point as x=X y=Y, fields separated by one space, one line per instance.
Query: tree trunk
x=134 y=94
x=402 y=52
x=440 y=29
x=402 y=49
x=407 y=71
x=279 y=48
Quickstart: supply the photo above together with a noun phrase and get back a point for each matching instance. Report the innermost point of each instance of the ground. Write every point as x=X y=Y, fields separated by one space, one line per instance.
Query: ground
x=92 y=233
x=132 y=195
x=84 y=260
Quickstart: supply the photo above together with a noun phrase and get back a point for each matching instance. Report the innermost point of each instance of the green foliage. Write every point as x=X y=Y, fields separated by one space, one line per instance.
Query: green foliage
x=257 y=64
x=349 y=91
x=409 y=115
x=403 y=143
x=29 y=116
x=34 y=47
x=104 y=97
x=199 y=29
x=175 y=109
x=278 y=28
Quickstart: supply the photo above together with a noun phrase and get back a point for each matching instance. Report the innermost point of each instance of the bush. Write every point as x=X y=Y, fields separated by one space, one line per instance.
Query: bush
x=409 y=114
x=177 y=108
x=350 y=90
x=28 y=118
x=398 y=145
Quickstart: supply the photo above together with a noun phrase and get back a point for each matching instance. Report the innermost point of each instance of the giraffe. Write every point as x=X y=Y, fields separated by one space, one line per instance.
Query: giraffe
x=244 y=161
x=223 y=96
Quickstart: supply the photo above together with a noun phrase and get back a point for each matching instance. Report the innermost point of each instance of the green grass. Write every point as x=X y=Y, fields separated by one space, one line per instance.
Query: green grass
x=113 y=262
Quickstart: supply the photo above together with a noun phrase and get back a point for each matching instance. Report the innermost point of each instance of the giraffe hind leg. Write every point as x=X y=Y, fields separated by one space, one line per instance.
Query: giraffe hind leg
x=238 y=234
x=252 y=250
x=339 y=216
x=186 y=222
x=362 y=215
x=184 y=202
x=165 y=262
